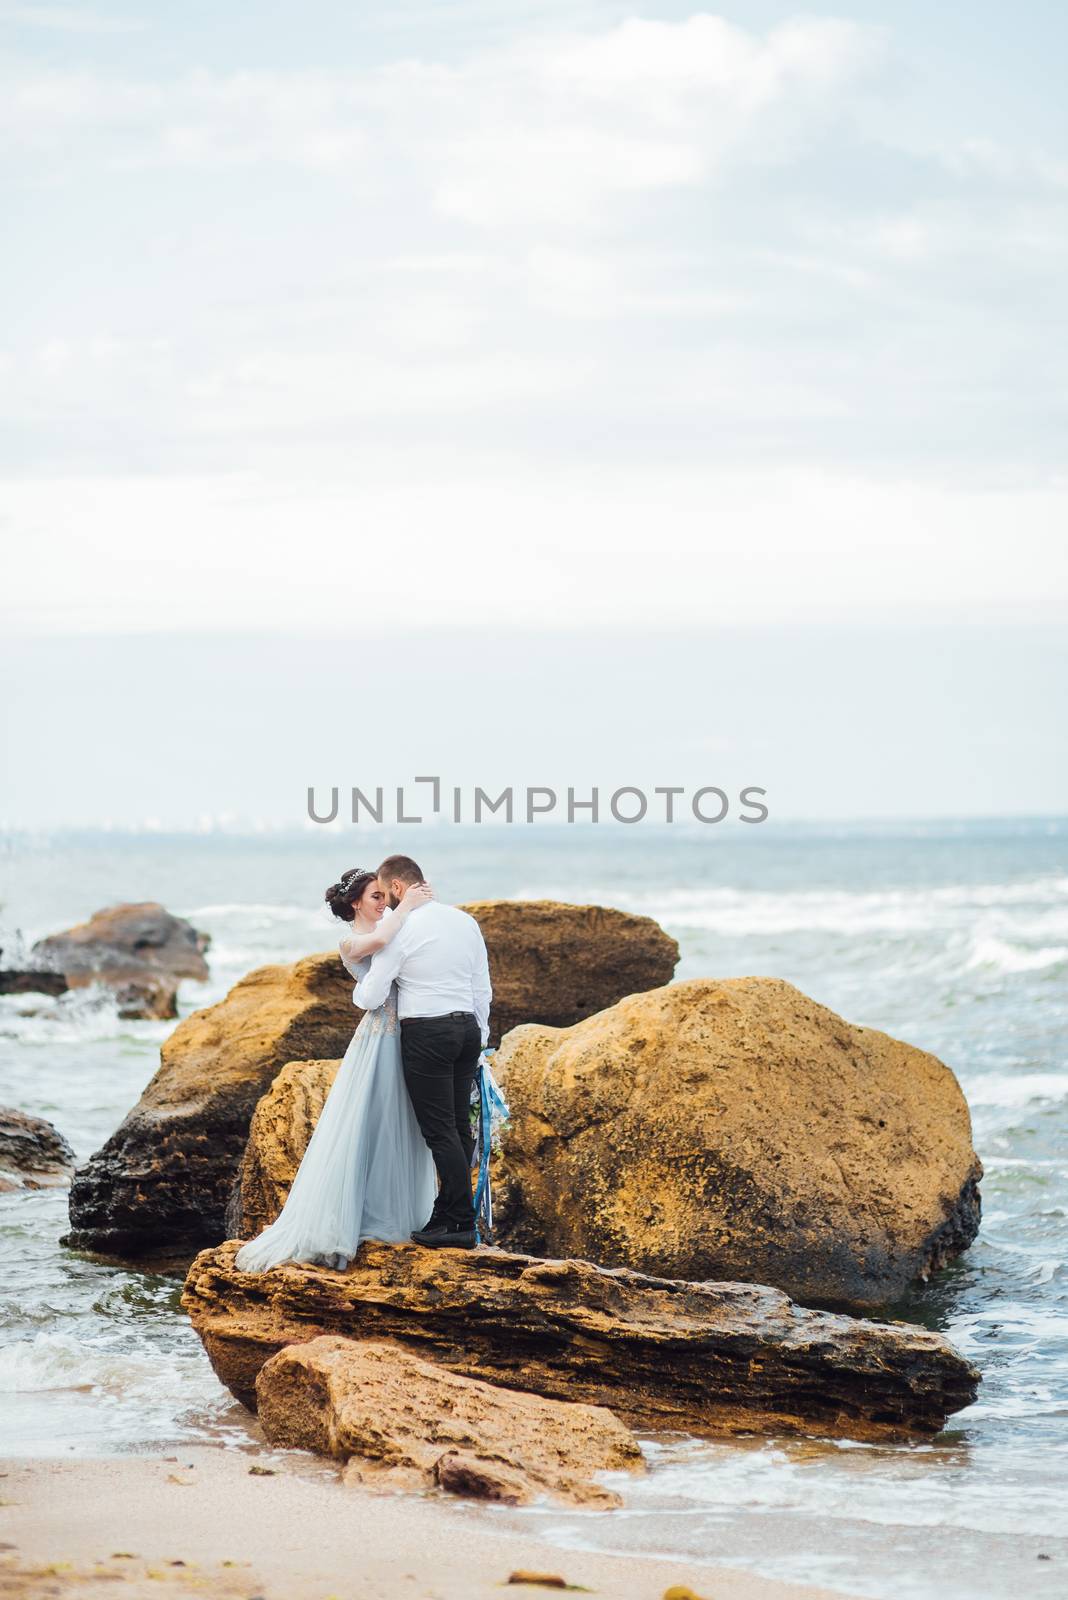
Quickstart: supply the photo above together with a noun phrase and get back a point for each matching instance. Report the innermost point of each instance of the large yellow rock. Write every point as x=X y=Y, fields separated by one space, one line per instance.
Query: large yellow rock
x=404 y=1422
x=735 y=1129
x=556 y=963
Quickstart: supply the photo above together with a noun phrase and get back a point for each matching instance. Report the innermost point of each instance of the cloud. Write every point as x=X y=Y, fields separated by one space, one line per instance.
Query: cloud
x=551 y=130
x=704 y=248
x=651 y=547
x=532 y=131
x=706 y=55
x=69 y=19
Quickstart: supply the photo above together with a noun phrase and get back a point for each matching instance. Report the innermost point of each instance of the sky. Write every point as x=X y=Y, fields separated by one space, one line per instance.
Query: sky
x=337 y=323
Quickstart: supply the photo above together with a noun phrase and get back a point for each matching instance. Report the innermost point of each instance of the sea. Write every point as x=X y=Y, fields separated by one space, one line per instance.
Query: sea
x=950 y=934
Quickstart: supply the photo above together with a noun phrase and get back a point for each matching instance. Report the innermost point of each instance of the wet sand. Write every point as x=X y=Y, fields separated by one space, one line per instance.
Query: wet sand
x=202 y=1523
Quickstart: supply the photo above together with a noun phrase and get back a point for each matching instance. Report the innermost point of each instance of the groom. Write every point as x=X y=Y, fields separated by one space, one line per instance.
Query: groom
x=439 y=961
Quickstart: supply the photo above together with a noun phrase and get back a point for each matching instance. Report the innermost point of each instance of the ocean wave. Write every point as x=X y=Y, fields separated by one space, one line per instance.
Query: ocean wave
x=1041 y=1327
x=268 y=912
x=80 y=1016
x=1037 y=908
x=997 y=953
x=1015 y=1089
x=63 y=1391
x=884 y=1485
x=55 y=1360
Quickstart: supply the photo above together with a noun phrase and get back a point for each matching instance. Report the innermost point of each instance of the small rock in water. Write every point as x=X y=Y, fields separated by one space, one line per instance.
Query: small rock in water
x=544 y=1580
x=33 y=1152
x=262 y=1472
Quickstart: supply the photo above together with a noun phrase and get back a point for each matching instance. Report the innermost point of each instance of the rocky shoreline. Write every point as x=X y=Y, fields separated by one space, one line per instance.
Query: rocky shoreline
x=698 y=1181
x=704 y=1358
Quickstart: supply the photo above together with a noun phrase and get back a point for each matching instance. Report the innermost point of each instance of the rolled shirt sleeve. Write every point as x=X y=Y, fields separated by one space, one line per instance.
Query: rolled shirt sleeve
x=482 y=989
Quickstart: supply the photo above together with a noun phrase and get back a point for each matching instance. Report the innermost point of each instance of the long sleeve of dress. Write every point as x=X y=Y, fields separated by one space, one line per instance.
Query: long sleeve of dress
x=374 y=985
x=352 y=965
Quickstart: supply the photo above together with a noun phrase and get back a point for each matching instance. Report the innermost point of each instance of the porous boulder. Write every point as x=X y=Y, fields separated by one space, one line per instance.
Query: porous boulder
x=33 y=1153
x=736 y=1129
x=282 y=1123
x=124 y=944
x=158 y=1188
x=400 y=1421
x=707 y=1358
x=555 y=963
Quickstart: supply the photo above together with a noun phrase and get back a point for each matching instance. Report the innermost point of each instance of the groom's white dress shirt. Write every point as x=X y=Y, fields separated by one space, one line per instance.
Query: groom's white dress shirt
x=438 y=959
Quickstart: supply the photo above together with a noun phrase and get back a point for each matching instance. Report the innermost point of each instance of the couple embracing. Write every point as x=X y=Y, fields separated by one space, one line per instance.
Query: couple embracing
x=396 y=1125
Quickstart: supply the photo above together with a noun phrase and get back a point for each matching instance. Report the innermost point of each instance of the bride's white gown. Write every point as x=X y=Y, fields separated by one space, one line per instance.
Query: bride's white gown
x=367 y=1172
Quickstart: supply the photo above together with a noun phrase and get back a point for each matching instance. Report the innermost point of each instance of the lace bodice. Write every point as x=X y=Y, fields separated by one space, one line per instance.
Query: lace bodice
x=382 y=1020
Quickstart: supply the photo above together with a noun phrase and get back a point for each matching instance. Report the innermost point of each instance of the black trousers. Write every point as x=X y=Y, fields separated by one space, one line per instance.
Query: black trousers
x=440 y=1057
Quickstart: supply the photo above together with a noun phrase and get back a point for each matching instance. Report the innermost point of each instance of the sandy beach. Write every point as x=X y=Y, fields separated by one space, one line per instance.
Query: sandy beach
x=202 y=1522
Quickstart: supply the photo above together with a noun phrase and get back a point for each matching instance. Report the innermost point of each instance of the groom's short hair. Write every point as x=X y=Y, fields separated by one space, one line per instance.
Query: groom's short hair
x=402 y=867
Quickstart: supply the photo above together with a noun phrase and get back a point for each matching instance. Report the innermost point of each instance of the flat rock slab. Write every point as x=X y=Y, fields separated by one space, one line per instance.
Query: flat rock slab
x=32 y=980
x=706 y=1358
x=403 y=1422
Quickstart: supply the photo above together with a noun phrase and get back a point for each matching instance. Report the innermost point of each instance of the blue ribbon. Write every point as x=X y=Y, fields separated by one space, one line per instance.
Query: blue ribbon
x=491 y=1102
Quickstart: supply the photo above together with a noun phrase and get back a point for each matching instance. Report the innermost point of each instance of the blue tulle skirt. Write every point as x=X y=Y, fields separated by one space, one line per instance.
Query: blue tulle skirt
x=367 y=1172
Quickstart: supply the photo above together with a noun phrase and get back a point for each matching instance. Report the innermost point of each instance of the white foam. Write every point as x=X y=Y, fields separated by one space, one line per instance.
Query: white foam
x=81 y=1016
x=269 y=914
x=1005 y=957
x=62 y=1361
x=1016 y=1089
x=887 y=1485
x=1024 y=911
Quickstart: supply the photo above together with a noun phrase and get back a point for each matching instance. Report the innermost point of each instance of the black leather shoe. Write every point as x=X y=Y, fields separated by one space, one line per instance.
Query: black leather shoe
x=448 y=1236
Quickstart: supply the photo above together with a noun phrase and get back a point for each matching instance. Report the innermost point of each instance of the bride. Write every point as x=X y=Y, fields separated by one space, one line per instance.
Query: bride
x=367 y=1172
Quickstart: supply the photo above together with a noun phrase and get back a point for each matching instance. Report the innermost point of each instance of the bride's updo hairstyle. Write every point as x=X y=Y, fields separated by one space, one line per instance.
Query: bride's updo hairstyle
x=349 y=887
